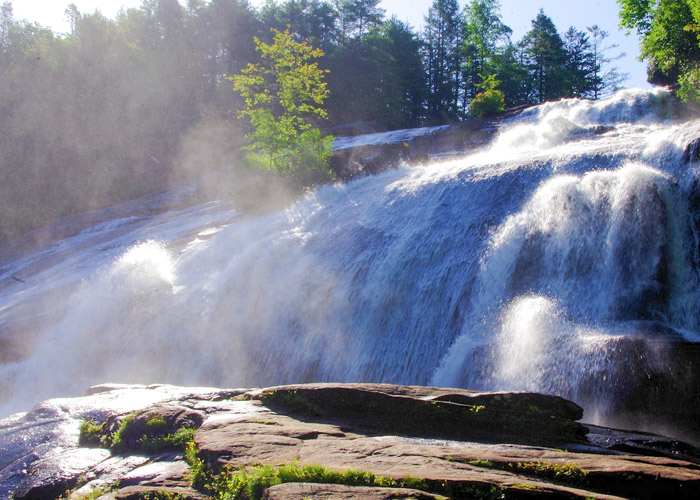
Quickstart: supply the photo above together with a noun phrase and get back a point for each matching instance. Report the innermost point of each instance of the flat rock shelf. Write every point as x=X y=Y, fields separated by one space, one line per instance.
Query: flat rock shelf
x=374 y=441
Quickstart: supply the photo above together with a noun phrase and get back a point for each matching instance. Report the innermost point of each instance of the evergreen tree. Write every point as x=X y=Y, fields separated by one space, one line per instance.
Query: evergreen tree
x=407 y=71
x=545 y=59
x=580 y=64
x=442 y=38
x=483 y=32
x=509 y=66
x=357 y=17
x=312 y=21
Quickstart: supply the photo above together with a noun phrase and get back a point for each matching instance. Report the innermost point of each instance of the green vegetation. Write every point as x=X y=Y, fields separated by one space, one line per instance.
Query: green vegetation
x=250 y=483
x=670 y=41
x=283 y=96
x=120 y=108
x=93 y=495
x=161 y=495
x=291 y=400
x=513 y=418
x=567 y=472
x=90 y=434
x=490 y=101
x=154 y=439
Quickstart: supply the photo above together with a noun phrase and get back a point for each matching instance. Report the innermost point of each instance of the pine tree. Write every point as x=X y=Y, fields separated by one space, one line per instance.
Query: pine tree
x=442 y=39
x=580 y=64
x=545 y=60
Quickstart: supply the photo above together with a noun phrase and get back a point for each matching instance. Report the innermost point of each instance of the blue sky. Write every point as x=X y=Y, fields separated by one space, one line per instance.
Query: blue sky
x=516 y=13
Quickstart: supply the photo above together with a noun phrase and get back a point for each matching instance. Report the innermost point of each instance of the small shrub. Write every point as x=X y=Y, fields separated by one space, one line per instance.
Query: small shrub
x=567 y=472
x=489 y=102
x=90 y=434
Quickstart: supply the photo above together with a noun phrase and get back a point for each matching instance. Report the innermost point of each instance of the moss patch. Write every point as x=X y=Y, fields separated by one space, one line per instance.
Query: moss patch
x=503 y=420
x=154 y=439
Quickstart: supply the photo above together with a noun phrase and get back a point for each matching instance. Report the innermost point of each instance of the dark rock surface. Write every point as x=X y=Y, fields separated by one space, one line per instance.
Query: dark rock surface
x=458 y=443
x=387 y=153
x=692 y=151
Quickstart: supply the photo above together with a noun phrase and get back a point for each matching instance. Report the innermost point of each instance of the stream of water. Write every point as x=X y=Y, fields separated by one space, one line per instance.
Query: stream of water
x=519 y=267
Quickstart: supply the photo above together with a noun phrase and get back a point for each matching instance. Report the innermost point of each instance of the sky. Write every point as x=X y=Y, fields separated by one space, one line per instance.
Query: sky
x=517 y=14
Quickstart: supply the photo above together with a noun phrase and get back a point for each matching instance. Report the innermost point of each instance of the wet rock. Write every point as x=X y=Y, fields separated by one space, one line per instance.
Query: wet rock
x=299 y=491
x=490 y=417
x=53 y=476
x=389 y=151
x=388 y=432
x=692 y=151
x=159 y=420
x=141 y=492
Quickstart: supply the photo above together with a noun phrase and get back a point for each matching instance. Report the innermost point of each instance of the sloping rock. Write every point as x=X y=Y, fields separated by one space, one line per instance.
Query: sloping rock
x=454 y=443
x=489 y=417
x=692 y=151
x=299 y=491
x=389 y=152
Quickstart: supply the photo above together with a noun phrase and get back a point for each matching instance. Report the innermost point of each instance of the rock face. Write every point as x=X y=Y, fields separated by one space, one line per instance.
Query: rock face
x=692 y=151
x=391 y=149
x=401 y=441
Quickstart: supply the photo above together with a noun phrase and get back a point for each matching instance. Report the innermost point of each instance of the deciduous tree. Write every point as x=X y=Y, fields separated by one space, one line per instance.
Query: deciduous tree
x=284 y=96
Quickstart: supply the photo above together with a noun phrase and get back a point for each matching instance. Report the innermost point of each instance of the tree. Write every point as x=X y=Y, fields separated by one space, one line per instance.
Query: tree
x=490 y=101
x=545 y=57
x=603 y=82
x=483 y=31
x=508 y=65
x=357 y=17
x=442 y=39
x=72 y=14
x=5 y=24
x=581 y=65
x=407 y=71
x=283 y=98
x=670 y=40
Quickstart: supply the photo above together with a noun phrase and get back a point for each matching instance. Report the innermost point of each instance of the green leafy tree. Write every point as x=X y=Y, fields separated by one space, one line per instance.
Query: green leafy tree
x=483 y=32
x=284 y=97
x=490 y=101
x=670 y=40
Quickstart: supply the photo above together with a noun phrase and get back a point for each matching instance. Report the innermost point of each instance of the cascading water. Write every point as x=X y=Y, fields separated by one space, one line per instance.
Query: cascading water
x=540 y=262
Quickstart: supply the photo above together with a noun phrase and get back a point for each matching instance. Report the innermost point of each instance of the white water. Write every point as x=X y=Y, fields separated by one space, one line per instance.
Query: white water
x=511 y=268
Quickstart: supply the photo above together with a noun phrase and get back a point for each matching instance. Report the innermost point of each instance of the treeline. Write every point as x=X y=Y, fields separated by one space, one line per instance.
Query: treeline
x=115 y=108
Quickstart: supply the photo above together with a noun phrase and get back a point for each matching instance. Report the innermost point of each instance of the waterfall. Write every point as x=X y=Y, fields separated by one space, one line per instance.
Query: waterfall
x=530 y=264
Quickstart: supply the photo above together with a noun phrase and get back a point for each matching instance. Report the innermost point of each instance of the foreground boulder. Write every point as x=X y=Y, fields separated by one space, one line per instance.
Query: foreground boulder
x=372 y=441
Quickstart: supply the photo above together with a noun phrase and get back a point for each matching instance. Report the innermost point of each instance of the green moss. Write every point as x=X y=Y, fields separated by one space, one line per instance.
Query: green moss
x=116 y=441
x=178 y=440
x=567 y=472
x=161 y=495
x=93 y=495
x=481 y=463
x=526 y=487
x=250 y=483
x=156 y=424
x=154 y=440
x=91 y=434
x=290 y=400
